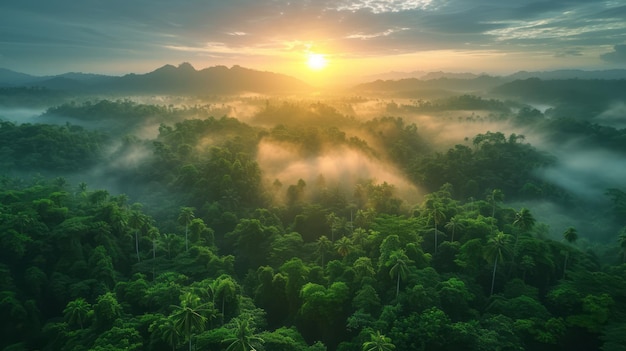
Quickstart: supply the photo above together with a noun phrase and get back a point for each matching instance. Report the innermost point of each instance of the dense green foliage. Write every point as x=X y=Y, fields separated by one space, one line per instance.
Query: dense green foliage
x=207 y=255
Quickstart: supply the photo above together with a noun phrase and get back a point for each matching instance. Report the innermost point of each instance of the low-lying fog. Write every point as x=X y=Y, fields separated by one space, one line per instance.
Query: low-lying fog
x=583 y=171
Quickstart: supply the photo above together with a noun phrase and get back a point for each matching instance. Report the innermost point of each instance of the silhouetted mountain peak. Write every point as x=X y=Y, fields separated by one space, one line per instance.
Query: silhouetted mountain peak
x=186 y=66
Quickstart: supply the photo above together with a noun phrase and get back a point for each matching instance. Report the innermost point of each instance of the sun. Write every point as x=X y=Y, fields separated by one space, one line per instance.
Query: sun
x=316 y=62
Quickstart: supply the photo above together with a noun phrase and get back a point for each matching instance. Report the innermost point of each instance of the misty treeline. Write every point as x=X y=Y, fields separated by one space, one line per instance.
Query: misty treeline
x=301 y=228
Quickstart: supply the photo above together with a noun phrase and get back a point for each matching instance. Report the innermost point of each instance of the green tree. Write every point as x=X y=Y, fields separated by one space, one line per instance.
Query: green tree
x=436 y=214
x=378 y=342
x=136 y=221
x=188 y=318
x=344 y=246
x=106 y=310
x=225 y=290
x=184 y=218
x=622 y=243
x=244 y=339
x=497 y=246
x=77 y=312
x=453 y=225
x=570 y=235
x=524 y=221
x=495 y=196
x=399 y=263
x=166 y=330
x=323 y=246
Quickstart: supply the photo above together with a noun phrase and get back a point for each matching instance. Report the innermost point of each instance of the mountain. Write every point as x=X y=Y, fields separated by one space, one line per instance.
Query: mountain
x=169 y=79
x=10 y=78
x=185 y=79
x=441 y=85
x=570 y=74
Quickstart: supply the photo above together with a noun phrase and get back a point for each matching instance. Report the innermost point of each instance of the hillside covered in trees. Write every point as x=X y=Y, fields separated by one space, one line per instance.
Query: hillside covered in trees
x=459 y=222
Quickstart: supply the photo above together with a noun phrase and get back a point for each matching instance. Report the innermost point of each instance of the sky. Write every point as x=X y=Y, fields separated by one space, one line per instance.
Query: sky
x=362 y=37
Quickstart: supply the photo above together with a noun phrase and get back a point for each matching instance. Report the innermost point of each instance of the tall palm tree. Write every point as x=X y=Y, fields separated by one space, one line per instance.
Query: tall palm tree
x=169 y=333
x=378 y=342
x=185 y=217
x=77 y=311
x=524 y=221
x=136 y=221
x=188 y=318
x=399 y=262
x=244 y=339
x=153 y=234
x=438 y=216
x=434 y=210
x=497 y=246
x=323 y=246
x=453 y=225
x=622 y=243
x=495 y=196
x=570 y=235
x=335 y=223
x=225 y=289
x=344 y=246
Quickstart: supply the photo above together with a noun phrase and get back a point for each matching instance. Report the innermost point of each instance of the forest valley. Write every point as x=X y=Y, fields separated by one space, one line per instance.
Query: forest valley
x=458 y=222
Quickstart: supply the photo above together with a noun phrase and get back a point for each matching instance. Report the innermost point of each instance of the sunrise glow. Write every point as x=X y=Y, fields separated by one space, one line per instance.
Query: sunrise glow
x=316 y=62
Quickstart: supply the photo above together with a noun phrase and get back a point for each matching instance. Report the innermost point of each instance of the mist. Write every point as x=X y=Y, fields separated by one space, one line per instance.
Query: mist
x=340 y=167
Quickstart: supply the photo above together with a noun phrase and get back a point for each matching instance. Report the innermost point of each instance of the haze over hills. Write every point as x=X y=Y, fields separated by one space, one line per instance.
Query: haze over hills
x=185 y=79
x=169 y=79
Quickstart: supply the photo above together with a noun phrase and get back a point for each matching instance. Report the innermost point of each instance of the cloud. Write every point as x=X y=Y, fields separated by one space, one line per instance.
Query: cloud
x=618 y=55
x=45 y=33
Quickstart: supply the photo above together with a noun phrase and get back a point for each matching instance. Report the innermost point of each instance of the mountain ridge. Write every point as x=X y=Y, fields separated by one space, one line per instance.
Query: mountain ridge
x=167 y=79
x=185 y=79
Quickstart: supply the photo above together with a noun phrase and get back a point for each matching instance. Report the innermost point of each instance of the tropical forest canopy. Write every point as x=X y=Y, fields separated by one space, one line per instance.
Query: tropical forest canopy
x=367 y=220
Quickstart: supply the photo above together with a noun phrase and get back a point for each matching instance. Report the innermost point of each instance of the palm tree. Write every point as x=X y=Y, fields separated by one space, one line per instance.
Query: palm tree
x=226 y=289
x=168 y=333
x=359 y=237
x=335 y=223
x=524 y=221
x=77 y=311
x=399 y=263
x=496 y=248
x=136 y=221
x=185 y=217
x=622 y=243
x=495 y=196
x=153 y=234
x=434 y=209
x=244 y=339
x=323 y=246
x=454 y=224
x=378 y=342
x=570 y=235
x=188 y=318
x=344 y=246
x=437 y=215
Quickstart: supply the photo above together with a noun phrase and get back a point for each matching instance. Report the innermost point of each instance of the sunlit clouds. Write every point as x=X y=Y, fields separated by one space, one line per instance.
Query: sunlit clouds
x=42 y=38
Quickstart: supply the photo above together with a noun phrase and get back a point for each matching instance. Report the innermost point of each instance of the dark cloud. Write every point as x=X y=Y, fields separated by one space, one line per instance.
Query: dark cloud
x=618 y=55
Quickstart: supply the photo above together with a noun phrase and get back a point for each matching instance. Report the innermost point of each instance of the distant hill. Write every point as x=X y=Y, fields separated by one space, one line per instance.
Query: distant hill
x=415 y=85
x=10 y=78
x=169 y=79
x=468 y=82
x=578 y=91
x=185 y=79
x=570 y=74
